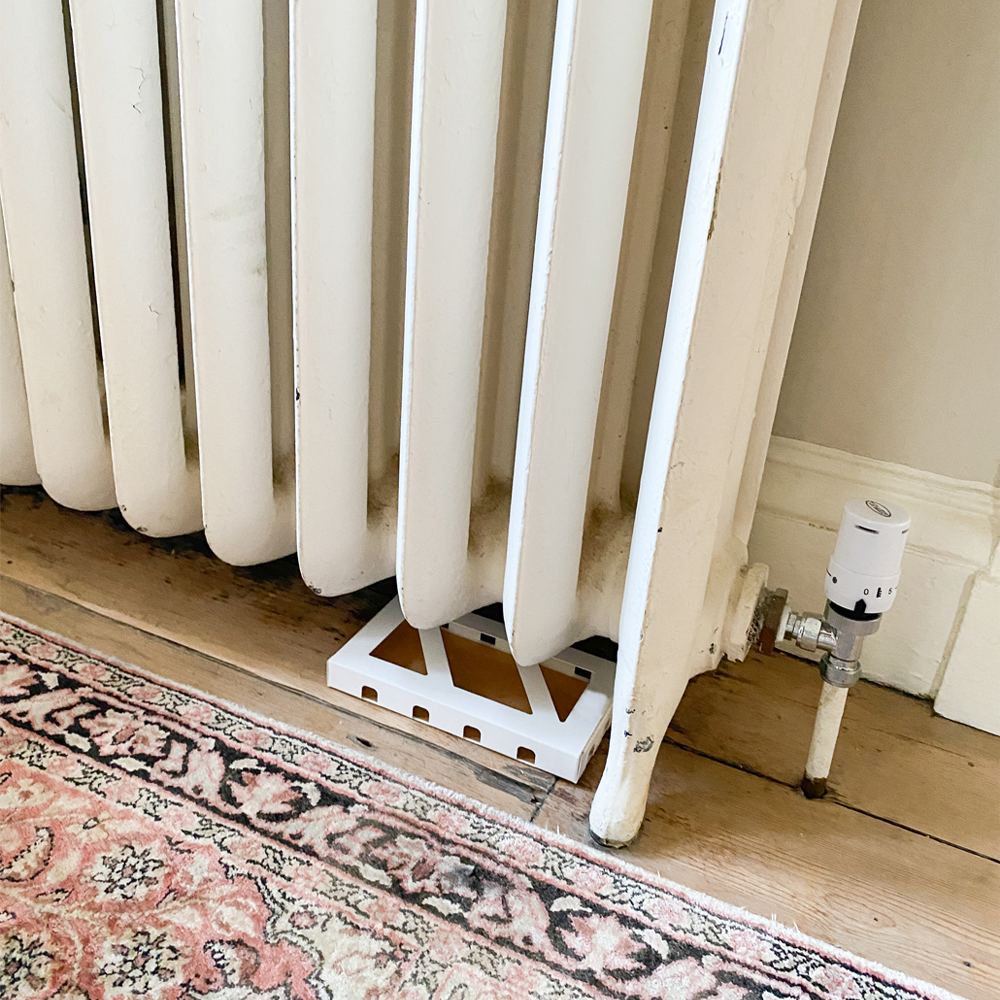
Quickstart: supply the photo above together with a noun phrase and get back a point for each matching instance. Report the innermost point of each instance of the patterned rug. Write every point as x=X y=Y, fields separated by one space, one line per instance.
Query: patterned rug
x=157 y=843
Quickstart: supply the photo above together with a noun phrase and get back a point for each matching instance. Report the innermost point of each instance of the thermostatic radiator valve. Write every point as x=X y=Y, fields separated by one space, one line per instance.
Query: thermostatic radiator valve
x=861 y=584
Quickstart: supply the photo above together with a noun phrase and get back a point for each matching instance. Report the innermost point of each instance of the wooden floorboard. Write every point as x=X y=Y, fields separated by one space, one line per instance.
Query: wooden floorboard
x=897 y=865
x=506 y=785
x=895 y=758
x=172 y=588
x=267 y=623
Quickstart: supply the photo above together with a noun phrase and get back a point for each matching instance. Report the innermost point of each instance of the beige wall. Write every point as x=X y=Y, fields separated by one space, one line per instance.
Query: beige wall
x=896 y=350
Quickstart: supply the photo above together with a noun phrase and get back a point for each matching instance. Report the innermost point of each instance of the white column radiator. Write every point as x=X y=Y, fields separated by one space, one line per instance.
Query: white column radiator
x=494 y=296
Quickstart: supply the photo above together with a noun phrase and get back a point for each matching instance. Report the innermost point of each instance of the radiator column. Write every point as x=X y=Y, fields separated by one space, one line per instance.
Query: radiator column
x=334 y=46
x=596 y=84
x=40 y=191
x=458 y=59
x=248 y=493
x=121 y=102
x=762 y=80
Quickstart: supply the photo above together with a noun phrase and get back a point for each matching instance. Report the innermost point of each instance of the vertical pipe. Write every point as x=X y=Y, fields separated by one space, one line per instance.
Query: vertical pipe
x=118 y=77
x=597 y=70
x=17 y=459
x=334 y=44
x=40 y=189
x=826 y=729
x=458 y=58
x=249 y=517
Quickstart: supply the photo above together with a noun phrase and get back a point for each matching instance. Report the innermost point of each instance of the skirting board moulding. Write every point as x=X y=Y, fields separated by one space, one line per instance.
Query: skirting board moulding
x=943 y=636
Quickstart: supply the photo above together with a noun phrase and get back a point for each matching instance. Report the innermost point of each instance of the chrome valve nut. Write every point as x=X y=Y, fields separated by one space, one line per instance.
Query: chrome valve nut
x=810 y=632
x=840 y=673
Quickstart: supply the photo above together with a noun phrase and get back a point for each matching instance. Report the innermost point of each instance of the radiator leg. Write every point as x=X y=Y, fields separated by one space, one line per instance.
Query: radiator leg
x=645 y=701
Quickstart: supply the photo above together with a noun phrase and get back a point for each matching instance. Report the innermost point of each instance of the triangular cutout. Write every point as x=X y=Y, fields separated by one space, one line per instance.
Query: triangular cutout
x=565 y=690
x=485 y=670
x=402 y=647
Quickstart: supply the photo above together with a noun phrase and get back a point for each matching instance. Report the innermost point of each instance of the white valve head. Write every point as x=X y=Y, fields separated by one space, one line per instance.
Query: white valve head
x=863 y=574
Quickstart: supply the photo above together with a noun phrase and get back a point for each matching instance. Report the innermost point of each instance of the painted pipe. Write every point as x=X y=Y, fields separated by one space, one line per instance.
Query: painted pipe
x=824 y=740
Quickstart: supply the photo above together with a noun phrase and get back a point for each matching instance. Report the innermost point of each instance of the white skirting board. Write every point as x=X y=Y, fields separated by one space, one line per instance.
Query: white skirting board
x=970 y=690
x=942 y=637
x=534 y=733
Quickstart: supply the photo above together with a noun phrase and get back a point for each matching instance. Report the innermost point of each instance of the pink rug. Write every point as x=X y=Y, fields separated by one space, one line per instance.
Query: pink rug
x=157 y=843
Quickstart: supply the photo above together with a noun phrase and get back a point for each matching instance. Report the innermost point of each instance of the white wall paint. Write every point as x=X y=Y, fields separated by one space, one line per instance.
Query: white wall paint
x=896 y=350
